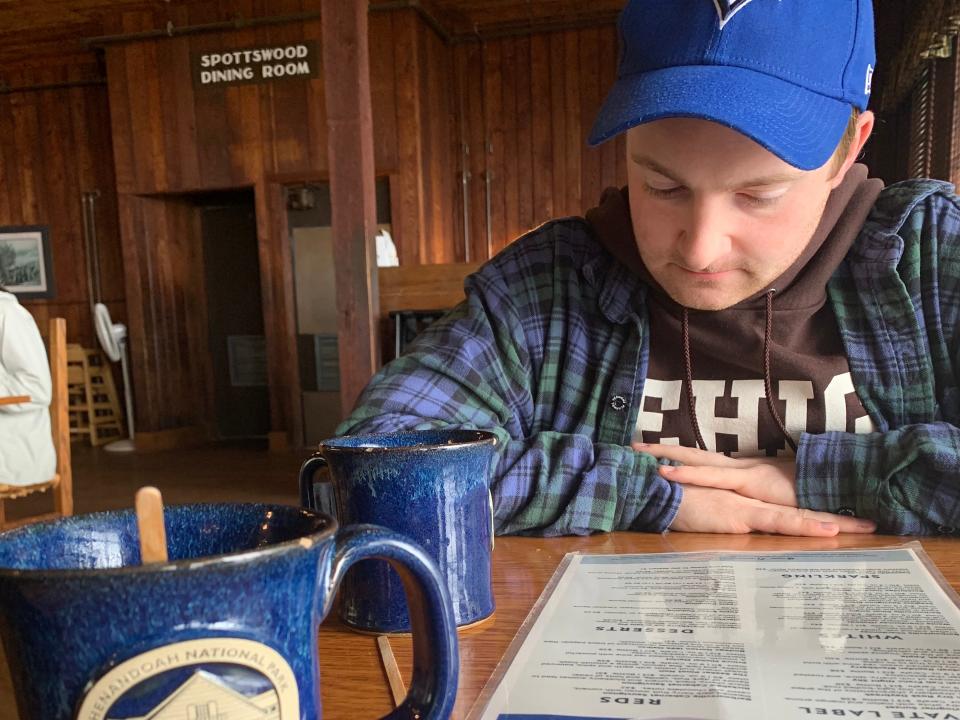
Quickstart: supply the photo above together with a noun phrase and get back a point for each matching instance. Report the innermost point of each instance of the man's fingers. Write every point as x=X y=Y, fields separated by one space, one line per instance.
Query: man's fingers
x=780 y=521
x=685 y=455
x=793 y=521
x=706 y=509
x=846 y=523
x=716 y=477
x=770 y=484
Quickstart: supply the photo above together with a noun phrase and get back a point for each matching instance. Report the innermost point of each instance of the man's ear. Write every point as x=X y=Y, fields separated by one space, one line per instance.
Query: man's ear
x=865 y=124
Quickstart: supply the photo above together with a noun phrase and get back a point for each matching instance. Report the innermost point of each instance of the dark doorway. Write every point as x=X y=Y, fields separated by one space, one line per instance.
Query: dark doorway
x=235 y=314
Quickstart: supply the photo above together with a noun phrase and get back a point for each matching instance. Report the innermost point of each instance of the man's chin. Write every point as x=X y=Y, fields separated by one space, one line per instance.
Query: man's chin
x=709 y=300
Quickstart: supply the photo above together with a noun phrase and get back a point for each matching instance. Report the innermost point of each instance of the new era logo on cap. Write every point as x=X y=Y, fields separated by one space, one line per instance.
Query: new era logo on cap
x=726 y=9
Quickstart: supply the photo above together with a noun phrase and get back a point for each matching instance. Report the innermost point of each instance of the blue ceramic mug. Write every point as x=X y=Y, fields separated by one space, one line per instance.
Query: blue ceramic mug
x=226 y=628
x=431 y=486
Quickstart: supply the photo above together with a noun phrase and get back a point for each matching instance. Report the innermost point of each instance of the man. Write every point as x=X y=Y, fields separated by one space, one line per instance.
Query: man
x=752 y=336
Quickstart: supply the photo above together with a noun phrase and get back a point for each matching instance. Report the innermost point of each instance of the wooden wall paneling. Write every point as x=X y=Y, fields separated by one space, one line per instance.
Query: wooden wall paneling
x=162 y=216
x=246 y=150
x=317 y=110
x=198 y=327
x=179 y=278
x=944 y=119
x=160 y=116
x=524 y=131
x=25 y=140
x=439 y=146
x=279 y=312
x=165 y=366
x=291 y=137
x=61 y=210
x=431 y=244
x=141 y=341
x=183 y=100
x=463 y=179
x=194 y=327
x=121 y=119
x=430 y=131
x=476 y=142
x=140 y=20
x=953 y=169
x=494 y=121
x=558 y=126
x=210 y=106
x=163 y=301
x=7 y=164
x=591 y=96
x=268 y=149
x=532 y=97
x=406 y=193
x=448 y=190
x=13 y=154
x=608 y=66
x=89 y=129
x=141 y=126
x=53 y=145
x=544 y=194
x=575 y=140
x=509 y=180
x=459 y=162
x=244 y=134
x=92 y=142
x=172 y=116
x=383 y=95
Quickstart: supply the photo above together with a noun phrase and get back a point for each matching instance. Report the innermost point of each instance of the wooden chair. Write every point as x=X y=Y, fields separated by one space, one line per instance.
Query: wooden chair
x=62 y=482
x=414 y=295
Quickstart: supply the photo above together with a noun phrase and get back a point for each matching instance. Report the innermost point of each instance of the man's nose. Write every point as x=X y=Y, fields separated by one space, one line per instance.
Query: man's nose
x=705 y=240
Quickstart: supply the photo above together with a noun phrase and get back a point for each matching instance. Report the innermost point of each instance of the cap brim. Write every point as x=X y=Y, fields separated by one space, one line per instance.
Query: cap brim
x=801 y=127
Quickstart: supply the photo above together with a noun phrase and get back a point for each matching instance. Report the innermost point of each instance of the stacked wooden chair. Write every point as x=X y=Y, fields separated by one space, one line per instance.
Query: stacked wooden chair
x=93 y=404
x=61 y=484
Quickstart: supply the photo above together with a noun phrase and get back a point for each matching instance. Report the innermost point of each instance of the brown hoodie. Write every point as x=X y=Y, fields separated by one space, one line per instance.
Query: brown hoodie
x=785 y=341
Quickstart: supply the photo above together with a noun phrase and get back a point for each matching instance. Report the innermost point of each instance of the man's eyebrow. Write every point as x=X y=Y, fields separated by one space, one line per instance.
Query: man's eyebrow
x=775 y=179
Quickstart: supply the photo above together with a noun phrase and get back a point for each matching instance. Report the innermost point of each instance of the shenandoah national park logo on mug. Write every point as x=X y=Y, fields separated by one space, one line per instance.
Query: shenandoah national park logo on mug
x=205 y=679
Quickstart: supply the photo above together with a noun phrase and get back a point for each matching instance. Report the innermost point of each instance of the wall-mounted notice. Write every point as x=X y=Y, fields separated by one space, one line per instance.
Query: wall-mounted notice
x=219 y=68
x=729 y=636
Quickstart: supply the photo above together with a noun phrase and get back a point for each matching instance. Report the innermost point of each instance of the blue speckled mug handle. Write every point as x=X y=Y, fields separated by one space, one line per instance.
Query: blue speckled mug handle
x=436 y=665
x=318 y=496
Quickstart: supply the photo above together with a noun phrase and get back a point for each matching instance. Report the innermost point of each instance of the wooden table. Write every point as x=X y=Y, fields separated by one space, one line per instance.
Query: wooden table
x=14 y=399
x=353 y=681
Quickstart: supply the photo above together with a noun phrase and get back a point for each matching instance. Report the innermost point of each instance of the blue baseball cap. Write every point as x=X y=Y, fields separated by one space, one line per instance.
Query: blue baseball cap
x=785 y=73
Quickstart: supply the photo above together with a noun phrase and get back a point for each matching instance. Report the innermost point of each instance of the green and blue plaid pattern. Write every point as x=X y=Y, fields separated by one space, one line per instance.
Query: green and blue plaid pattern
x=549 y=351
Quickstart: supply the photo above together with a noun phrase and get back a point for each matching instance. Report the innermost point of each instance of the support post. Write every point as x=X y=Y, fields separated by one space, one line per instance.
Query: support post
x=346 y=68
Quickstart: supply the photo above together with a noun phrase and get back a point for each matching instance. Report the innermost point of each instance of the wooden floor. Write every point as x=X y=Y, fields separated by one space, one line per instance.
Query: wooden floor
x=108 y=481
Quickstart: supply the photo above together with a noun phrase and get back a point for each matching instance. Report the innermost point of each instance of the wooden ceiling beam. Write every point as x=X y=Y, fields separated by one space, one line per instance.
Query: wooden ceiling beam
x=31 y=28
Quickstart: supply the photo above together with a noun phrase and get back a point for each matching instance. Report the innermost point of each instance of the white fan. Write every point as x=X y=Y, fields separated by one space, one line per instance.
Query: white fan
x=113 y=340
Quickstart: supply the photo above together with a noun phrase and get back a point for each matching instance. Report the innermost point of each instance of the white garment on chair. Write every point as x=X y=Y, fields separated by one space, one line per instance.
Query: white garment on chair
x=27 y=455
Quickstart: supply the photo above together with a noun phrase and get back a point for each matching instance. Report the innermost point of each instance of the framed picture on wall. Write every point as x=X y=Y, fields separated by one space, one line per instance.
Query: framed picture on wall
x=26 y=268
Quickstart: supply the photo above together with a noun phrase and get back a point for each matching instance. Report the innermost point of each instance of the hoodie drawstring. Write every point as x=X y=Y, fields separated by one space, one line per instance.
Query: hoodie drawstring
x=688 y=378
x=767 y=382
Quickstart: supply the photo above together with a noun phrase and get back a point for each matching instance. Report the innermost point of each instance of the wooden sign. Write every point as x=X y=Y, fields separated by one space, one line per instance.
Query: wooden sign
x=244 y=66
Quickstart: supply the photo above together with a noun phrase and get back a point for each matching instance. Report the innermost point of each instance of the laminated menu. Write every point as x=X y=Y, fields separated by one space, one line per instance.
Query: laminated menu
x=711 y=636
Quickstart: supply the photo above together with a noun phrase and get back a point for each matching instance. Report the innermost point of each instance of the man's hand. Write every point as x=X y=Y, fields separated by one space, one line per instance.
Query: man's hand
x=772 y=480
x=710 y=510
x=742 y=495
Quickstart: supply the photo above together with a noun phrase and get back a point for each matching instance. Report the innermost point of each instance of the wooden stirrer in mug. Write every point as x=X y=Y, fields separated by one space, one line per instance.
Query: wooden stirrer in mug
x=153 y=536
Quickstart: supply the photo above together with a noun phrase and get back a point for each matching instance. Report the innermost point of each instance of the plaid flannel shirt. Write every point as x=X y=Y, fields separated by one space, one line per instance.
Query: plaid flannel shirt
x=549 y=351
